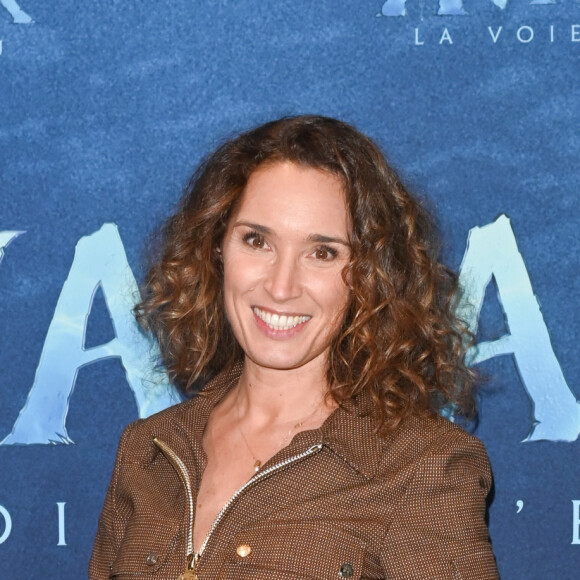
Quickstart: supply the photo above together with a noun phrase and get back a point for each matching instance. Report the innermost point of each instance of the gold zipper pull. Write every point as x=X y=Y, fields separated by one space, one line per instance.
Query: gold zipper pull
x=190 y=573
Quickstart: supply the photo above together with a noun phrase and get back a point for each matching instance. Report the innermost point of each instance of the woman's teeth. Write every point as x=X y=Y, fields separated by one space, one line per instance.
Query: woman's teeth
x=277 y=322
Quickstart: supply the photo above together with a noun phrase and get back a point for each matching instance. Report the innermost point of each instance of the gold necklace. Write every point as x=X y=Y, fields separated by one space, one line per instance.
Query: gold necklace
x=257 y=462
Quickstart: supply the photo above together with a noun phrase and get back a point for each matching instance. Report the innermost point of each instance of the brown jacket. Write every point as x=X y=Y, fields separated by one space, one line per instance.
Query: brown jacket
x=338 y=502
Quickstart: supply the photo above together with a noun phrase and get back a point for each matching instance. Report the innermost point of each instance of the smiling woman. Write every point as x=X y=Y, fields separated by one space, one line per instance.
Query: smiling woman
x=281 y=282
x=299 y=284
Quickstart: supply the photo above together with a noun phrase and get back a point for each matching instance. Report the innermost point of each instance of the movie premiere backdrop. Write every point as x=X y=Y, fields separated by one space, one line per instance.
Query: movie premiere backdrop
x=108 y=106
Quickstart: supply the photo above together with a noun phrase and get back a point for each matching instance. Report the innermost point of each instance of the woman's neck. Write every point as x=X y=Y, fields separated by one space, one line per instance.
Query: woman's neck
x=266 y=396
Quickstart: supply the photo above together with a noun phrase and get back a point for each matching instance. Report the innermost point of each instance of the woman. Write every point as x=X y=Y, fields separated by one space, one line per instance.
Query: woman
x=299 y=282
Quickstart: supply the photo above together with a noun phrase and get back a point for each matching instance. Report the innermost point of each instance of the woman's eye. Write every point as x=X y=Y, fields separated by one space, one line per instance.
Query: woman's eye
x=255 y=240
x=325 y=253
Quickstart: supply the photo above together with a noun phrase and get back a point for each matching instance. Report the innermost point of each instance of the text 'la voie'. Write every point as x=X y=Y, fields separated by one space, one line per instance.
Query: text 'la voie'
x=523 y=34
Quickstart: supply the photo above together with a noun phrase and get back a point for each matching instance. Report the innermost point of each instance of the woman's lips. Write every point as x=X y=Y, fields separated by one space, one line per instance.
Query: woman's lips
x=280 y=322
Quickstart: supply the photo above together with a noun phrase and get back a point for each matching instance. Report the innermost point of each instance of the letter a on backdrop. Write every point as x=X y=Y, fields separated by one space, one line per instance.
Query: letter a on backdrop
x=99 y=262
x=492 y=251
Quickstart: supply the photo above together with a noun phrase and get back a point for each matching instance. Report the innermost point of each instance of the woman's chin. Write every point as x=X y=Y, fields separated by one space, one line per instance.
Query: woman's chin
x=280 y=361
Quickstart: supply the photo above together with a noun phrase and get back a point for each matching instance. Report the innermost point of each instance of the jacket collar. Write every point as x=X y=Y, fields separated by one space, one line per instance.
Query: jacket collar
x=348 y=431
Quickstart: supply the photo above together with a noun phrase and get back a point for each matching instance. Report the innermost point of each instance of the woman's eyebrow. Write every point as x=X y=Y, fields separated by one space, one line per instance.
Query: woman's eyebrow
x=326 y=239
x=257 y=227
x=318 y=238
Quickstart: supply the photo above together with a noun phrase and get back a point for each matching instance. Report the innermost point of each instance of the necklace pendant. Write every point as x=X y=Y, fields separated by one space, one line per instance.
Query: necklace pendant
x=187 y=575
x=257 y=465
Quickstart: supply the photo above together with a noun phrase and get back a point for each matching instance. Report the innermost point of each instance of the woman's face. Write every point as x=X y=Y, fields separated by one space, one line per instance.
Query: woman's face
x=284 y=251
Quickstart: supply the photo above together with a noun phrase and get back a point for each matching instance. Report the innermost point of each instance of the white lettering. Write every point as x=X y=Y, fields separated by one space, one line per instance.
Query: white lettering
x=393 y=8
x=446 y=37
x=99 y=262
x=495 y=36
x=492 y=252
x=5 y=239
x=575 y=521
x=530 y=32
x=61 y=537
x=575 y=32
x=451 y=8
x=417 y=42
x=551 y=33
x=446 y=7
x=7 y=524
x=18 y=15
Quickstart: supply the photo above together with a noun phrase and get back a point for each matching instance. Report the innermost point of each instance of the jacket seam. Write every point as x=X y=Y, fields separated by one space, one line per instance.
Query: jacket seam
x=123 y=446
x=436 y=446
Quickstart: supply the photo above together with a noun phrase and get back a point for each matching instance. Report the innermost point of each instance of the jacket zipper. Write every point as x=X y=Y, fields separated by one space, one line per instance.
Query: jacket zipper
x=179 y=466
x=174 y=459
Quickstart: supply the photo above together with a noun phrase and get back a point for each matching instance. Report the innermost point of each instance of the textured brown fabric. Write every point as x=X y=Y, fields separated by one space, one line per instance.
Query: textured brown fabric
x=407 y=506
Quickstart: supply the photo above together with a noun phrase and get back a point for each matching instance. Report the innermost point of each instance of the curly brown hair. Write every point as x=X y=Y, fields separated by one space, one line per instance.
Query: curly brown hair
x=400 y=340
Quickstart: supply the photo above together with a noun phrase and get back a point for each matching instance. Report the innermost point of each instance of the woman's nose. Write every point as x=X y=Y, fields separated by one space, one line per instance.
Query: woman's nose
x=283 y=279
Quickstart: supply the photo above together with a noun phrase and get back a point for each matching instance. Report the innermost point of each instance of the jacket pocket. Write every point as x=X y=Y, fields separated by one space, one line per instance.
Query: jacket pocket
x=478 y=565
x=146 y=547
x=288 y=550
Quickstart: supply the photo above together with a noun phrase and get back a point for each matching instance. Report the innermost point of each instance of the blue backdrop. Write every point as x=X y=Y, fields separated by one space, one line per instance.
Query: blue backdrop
x=108 y=106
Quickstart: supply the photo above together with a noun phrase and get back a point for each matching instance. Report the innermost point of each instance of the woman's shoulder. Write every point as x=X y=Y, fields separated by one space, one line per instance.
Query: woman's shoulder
x=433 y=430
x=428 y=438
x=186 y=417
x=168 y=415
x=137 y=442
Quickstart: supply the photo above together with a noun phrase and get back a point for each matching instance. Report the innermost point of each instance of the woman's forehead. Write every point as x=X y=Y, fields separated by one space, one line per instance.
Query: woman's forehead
x=288 y=195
